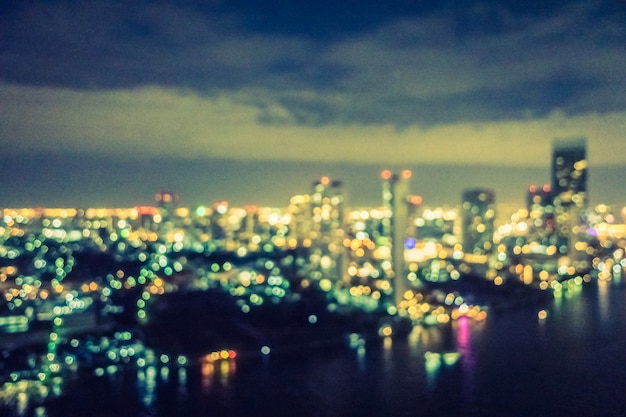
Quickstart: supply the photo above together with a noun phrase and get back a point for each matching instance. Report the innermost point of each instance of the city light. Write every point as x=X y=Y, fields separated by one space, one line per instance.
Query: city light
x=305 y=269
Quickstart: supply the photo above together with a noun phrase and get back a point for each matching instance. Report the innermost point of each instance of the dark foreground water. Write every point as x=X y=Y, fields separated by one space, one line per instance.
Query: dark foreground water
x=513 y=364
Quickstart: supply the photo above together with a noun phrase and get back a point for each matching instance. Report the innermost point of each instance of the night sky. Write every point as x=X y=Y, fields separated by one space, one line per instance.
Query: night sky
x=105 y=102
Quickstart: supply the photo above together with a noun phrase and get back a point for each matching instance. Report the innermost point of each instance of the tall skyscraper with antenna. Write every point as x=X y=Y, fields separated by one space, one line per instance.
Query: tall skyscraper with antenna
x=396 y=201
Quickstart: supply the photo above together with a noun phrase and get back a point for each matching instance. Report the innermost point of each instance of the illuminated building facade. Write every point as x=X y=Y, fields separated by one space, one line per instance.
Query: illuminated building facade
x=437 y=224
x=569 y=189
x=300 y=211
x=327 y=206
x=478 y=215
x=569 y=172
x=540 y=206
x=434 y=253
x=248 y=227
x=396 y=203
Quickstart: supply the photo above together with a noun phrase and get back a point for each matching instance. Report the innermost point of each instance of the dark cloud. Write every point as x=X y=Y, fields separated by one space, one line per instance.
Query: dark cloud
x=400 y=62
x=323 y=20
x=535 y=99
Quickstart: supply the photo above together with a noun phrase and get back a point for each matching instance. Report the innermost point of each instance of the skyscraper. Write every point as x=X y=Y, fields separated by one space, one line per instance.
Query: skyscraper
x=569 y=189
x=395 y=200
x=569 y=172
x=478 y=211
x=540 y=206
x=327 y=206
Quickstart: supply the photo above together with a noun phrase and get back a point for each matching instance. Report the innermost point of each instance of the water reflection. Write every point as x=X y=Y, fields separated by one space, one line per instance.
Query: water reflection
x=21 y=403
x=464 y=346
x=440 y=348
x=432 y=364
x=182 y=383
x=424 y=365
x=165 y=373
x=22 y=396
x=207 y=370
x=603 y=300
x=146 y=384
x=220 y=371
x=422 y=341
x=431 y=338
x=358 y=345
x=227 y=368
x=387 y=344
x=41 y=412
x=360 y=354
x=465 y=333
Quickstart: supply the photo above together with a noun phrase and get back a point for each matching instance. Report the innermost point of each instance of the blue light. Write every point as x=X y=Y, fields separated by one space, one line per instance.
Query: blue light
x=410 y=243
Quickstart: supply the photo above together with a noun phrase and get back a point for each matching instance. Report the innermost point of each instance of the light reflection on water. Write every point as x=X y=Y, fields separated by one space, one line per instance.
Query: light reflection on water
x=182 y=383
x=603 y=299
x=23 y=396
x=146 y=383
x=464 y=344
x=511 y=364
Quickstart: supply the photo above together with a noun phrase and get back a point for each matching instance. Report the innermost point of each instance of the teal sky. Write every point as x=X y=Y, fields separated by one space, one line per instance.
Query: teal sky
x=69 y=181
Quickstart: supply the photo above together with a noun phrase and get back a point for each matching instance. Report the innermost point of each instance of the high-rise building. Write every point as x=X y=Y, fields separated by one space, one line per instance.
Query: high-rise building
x=569 y=172
x=540 y=206
x=569 y=189
x=327 y=207
x=478 y=215
x=301 y=213
x=396 y=203
x=327 y=227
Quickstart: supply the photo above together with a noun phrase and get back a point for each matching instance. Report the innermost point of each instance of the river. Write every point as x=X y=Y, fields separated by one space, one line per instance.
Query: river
x=514 y=363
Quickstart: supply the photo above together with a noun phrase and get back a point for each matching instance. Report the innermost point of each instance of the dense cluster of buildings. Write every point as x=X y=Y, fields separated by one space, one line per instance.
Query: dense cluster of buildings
x=385 y=251
x=70 y=264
